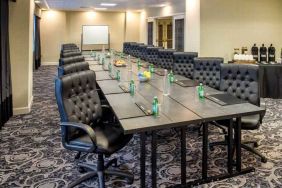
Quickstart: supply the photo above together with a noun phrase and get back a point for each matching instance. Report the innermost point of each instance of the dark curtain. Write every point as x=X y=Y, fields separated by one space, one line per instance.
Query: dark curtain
x=6 y=107
x=37 y=43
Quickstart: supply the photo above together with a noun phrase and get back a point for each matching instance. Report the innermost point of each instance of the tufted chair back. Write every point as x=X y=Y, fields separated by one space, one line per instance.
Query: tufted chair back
x=165 y=58
x=70 y=54
x=241 y=81
x=143 y=51
x=183 y=63
x=70 y=60
x=69 y=50
x=135 y=49
x=77 y=99
x=207 y=71
x=152 y=54
x=72 y=68
x=126 y=47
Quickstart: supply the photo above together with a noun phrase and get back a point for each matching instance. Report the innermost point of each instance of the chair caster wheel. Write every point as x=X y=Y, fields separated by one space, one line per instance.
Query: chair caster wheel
x=264 y=160
x=129 y=181
x=81 y=170
x=211 y=148
x=115 y=163
x=256 y=145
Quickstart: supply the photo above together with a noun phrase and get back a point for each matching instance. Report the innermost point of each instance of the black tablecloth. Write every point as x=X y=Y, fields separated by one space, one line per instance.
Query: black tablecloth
x=271 y=81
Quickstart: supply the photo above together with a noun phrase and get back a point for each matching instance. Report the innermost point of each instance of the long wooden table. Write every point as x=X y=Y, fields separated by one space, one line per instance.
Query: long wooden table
x=179 y=109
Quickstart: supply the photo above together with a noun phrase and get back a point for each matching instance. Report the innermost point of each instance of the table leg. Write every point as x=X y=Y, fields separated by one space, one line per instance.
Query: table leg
x=230 y=147
x=205 y=152
x=183 y=155
x=142 y=160
x=238 y=144
x=154 y=159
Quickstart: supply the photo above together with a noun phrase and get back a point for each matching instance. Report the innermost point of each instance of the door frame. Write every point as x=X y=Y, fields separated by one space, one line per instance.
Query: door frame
x=155 y=26
x=177 y=17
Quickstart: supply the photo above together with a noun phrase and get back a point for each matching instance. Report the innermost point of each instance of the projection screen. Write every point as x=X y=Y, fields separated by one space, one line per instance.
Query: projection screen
x=95 y=35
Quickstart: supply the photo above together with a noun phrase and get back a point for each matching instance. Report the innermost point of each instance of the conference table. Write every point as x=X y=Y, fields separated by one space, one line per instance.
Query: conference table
x=181 y=108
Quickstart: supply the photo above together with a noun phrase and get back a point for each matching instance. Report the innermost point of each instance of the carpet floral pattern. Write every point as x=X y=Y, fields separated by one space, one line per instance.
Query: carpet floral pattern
x=31 y=153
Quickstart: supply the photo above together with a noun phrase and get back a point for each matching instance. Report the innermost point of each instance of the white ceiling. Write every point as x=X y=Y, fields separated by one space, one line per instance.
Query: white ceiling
x=122 y=5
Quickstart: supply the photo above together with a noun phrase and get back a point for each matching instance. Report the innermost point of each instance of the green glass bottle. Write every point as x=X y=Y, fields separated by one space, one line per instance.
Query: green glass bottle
x=151 y=68
x=155 y=107
x=171 y=77
x=103 y=61
x=132 y=88
x=110 y=67
x=139 y=64
x=118 y=75
x=201 y=91
x=98 y=58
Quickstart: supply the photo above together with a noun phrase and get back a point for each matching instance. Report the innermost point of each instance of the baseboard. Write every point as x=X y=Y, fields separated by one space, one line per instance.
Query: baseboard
x=49 y=63
x=23 y=110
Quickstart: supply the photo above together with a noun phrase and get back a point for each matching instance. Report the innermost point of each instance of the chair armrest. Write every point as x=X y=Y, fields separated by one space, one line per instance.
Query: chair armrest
x=262 y=105
x=105 y=106
x=83 y=127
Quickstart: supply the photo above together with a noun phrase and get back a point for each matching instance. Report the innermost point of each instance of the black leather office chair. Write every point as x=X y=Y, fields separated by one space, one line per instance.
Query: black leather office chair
x=84 y=128
x=63 y=51
x=207 y=71
x=152 y=55
x=242 y=81
x=130 y=48
x=183 y=63
x=165 y=59
x=70 y=54
x=70 y=60
x=126 y=46
x=72 y=68
x=135 y=49
x=142 y=51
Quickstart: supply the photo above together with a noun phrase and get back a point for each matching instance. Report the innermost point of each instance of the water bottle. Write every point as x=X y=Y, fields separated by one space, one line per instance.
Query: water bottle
x=155 y=107
x=201 y=91
x=98 y=57
x=132 y=88
x=110 y=67
x=171 y=77
x=103 y=64
x=139 y=64
x=129 y=62
x=151 y=68
x=166 y=83
x=118 y=75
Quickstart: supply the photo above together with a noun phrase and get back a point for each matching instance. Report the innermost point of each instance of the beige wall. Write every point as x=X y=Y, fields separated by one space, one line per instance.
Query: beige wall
x=53 y=34
x=58 y=27
x=21 y=53
x=132 y=24
x=228 y=24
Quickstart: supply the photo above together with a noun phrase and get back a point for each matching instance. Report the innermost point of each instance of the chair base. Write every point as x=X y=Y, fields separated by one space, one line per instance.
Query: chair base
x=243 y=145
x=100 y=172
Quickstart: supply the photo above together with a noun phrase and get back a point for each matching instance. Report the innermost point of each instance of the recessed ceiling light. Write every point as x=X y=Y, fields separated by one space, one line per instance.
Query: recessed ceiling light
x=108 y=4
x=100 y=8
x=37 y=1
x=158 y=5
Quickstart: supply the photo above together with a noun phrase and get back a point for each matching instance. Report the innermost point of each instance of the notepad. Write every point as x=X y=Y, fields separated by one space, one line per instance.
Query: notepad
x=160 y=72
x=225 y=99
x=186 y=83
x=147 y=112
x=124 y=88
x=145 y=65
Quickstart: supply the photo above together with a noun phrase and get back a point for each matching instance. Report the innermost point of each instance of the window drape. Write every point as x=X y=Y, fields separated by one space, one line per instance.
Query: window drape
x=6 y=107
x=37 y=43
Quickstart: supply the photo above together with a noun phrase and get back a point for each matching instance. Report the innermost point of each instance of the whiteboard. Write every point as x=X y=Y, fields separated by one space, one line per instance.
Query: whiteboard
x=95 y=34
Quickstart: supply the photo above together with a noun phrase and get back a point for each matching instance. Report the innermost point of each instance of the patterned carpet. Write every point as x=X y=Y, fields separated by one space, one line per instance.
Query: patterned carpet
x=31 y=153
